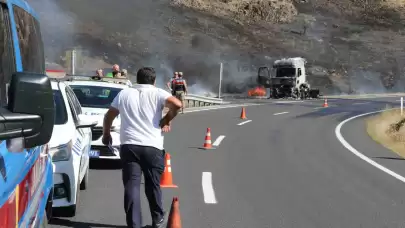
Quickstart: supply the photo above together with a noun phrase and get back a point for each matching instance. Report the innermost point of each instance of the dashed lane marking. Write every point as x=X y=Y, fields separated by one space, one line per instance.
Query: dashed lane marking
x=360 y=155
x=244 y=122
x=360 y=103
x=208 y=189
x=280 y=113
x=218 y=140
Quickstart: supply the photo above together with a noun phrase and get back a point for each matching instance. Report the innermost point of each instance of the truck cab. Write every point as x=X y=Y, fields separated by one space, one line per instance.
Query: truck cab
x=287 y=79
x=26 y=119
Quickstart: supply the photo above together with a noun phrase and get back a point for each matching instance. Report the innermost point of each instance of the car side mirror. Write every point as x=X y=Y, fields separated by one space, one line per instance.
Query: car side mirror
x=31 y=109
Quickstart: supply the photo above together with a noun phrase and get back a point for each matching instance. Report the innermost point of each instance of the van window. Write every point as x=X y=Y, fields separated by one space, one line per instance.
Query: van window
x=7 y=63
x=60 y=108
x=31 y=45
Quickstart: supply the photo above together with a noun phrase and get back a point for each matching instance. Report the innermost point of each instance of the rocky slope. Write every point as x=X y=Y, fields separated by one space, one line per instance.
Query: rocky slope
x=348 y=42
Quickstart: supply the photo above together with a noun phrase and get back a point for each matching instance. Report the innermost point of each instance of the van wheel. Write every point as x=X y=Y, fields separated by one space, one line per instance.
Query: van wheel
x=85 y=181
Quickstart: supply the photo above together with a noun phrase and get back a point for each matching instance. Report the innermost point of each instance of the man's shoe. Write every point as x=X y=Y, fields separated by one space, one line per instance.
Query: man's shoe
x=162 y=223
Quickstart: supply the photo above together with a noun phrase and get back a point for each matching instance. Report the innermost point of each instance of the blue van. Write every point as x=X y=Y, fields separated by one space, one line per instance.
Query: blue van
x=26 y=120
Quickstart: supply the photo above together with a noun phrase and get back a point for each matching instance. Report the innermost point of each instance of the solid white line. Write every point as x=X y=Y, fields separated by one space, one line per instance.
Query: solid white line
x=218 y=140
x=208 y=189
x=360 y=103
x=360 y=155
x=244 y=122
x=280 y=113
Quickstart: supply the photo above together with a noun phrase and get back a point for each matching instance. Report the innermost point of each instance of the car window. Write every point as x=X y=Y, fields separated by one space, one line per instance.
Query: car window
x=31 y=45
x=60 y=108
x=75 y=102
x=72 y=108
x=7 y=62
x=95 y=96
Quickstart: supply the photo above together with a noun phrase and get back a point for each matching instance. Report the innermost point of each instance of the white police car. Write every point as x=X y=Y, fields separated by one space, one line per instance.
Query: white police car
x=95 y=97
x=69 y=147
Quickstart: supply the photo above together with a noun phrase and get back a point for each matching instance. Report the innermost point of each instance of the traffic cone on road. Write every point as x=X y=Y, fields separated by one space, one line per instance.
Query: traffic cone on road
x=166 y=181
x=207 y=144
x=174 y=220
x=325 y=103
x=243 y=113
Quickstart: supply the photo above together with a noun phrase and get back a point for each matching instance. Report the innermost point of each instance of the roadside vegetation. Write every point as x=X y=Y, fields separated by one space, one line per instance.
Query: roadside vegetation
x=388 y=129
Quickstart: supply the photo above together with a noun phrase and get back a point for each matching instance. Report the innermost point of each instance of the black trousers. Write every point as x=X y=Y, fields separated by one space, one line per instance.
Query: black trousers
x=135 y=161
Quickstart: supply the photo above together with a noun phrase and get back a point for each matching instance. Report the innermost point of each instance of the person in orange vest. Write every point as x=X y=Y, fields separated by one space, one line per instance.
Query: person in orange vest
x=179 y=89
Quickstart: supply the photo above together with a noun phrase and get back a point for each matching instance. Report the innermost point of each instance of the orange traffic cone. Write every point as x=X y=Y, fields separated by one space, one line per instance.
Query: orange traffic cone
x=207 y=144
x=174 y=220
x=325 y=104
x=166 y=180
x=243 y=113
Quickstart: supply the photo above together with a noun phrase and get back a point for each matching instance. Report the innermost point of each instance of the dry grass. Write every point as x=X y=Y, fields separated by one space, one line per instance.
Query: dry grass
x=245 y=11
x=388 y=130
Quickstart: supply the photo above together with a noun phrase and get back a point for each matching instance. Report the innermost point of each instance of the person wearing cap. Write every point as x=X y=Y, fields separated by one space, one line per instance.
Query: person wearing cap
x=170 y=82
x=180 y=89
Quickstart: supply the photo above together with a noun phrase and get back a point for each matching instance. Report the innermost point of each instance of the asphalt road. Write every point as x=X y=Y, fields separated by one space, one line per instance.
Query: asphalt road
x=284 y=168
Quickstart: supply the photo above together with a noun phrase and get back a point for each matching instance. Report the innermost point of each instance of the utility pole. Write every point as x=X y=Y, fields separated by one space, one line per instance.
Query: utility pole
x=220 y=80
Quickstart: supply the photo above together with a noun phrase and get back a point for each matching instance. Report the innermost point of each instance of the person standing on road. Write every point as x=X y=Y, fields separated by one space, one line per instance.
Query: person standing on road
x=180 y=89
x=140 y=108
x=170 y=82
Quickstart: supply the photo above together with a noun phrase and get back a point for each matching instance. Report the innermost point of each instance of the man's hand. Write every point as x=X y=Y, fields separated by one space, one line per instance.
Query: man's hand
x=166 y=128
x=106 y=139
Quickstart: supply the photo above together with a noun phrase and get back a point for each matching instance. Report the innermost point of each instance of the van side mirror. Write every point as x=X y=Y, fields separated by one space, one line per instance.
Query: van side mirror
x=30 y=111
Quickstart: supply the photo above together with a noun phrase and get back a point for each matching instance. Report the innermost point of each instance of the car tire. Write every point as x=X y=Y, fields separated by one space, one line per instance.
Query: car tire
x=85 y=182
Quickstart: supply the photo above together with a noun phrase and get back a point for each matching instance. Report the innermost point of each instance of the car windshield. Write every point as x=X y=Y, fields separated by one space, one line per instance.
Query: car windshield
x=95 y=96
x=60 y=108
x=285 y=72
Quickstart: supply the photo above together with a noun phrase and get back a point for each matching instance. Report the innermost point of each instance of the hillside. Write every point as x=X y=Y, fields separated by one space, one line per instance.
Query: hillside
x=357 y=41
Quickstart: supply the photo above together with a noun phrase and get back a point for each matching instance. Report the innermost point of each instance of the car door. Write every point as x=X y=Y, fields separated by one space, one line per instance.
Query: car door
x=81 y=134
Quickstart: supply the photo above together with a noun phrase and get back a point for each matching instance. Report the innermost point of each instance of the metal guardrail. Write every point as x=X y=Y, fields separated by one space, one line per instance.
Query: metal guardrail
x=199 y=101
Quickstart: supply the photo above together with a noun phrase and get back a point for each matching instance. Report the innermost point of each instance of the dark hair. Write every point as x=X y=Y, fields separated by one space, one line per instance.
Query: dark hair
x=146 y=75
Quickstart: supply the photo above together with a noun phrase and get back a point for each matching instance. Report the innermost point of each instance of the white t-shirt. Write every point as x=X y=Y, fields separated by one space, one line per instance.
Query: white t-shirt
x=140 y=110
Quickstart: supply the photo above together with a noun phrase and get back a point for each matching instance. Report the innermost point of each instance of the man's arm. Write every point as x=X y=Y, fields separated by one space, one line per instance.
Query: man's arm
x=109 y=117
x=173 y=104
x=169 y=85
x=185 y=87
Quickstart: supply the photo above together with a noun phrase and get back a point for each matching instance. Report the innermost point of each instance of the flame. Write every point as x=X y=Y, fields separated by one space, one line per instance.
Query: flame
x=257 y=92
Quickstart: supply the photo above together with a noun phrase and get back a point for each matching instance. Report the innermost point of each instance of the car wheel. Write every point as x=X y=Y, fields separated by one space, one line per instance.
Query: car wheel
x=85 y=181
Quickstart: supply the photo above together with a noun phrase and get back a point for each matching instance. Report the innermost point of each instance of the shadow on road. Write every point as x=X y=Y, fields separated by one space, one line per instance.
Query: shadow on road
x=105 y=164
x=390 y=158
x=75 y=224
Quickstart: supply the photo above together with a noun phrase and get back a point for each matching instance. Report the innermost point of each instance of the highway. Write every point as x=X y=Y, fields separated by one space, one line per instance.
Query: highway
x=286 y=168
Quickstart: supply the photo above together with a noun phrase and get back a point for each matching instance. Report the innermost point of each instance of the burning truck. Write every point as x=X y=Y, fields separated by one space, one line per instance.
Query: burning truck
x=287 y=79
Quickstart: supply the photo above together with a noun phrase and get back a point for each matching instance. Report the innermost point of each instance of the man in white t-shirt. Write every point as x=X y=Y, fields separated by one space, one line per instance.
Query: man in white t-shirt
x=140 y=108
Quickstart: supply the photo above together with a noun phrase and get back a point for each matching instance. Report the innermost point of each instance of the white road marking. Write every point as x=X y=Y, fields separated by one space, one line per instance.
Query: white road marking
x=244 y=122
x=361 y=103
x=218 y=140
x=280 y=113
x=360 y=155
x=208 y=189
x=286 y=102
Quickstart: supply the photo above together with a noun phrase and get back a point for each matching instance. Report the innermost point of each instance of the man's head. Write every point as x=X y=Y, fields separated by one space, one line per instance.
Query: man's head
x=115 y=68
x=146 y=75
x=176 y=74
x=99 y=72
x=180 y=74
